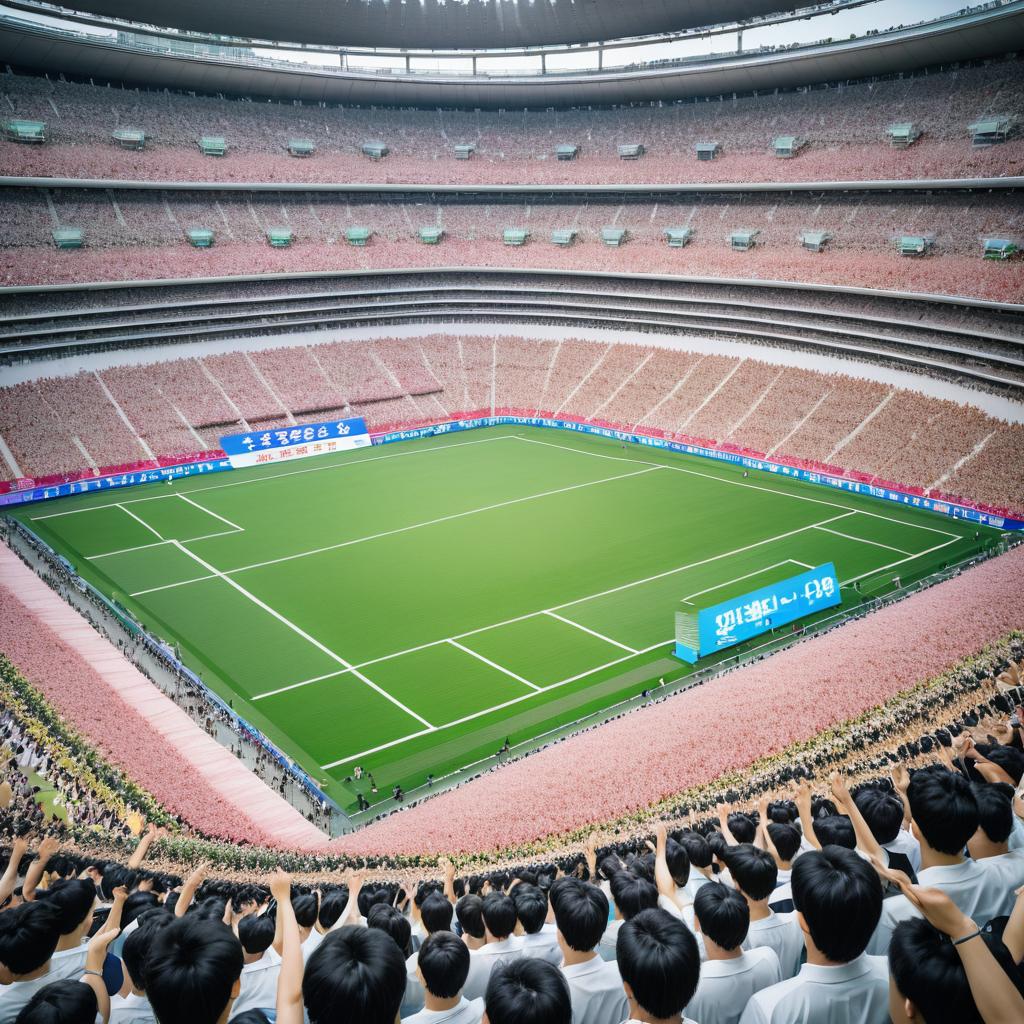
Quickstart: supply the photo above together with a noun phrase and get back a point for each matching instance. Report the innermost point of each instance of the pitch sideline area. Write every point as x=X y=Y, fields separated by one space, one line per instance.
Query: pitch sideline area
x=405 y=608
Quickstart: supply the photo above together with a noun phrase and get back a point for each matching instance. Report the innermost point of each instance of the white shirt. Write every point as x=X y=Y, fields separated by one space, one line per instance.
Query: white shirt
x=131 y=1009
x=726 y=986
x=14 y=996
x=597 y=993
x=606 y=947
x=1009 y=869
x=482 y=961
x=976 y=891
x=464 y=1012
x=68 y=964
x=312 y=941
x=853 y=993
x=543 y=946
x=906 y=844
x=695 y=882
x=782 y=897
x=258 y=985
x=781 y=933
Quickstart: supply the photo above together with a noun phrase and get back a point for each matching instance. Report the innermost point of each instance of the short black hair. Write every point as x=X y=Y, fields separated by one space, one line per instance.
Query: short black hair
x=499 y=914
x=192 y=967
x=60 y=1002
x=29 y=934
x=659 y=960
x=754 y=870
x=995 y=810
x=1010 y=759
x=436 y=913
x=135 y=951
x=678 y=862
x=74 y=899
x=928 y=971
x=697 y=849
x=836 y=830
x=723 y=914
x=137 y=904
x=882 y=809
x=355 y=976
x=943 y=808
x=531 y=907
x=469 y=911
x=632 y=894
x=332 y=906
x=392 y=921
x=742 y=828
x=527 y=990
x=444 y=963
x=786 y=839
x=840 y=897
x=256 y=934
x=581 y=912
x=306 y=910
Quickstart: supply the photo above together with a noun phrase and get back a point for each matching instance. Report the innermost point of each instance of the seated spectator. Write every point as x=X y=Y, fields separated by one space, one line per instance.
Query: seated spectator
x=729 y=976
x=527 y=990
x=539 y=938
x=838 y=901
x=595 y=985
x=754 y=873
x=884 y=813
x=193 y=970
x=355 y=976
x=262 y=965
x=944 y=816
x=630 y=896
x=442 y=969
x=29 y=934
x=660 y=966
x=499 y=918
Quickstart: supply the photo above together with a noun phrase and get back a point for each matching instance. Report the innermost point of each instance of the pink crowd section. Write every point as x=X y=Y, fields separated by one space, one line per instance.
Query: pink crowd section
x=722 y=726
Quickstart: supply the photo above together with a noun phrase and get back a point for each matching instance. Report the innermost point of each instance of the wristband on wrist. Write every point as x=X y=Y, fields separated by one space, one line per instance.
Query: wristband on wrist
x=967 y=938
x=89 y=970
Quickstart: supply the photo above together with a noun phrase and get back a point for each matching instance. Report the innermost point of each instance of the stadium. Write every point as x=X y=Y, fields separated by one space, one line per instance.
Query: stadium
x=512 y=511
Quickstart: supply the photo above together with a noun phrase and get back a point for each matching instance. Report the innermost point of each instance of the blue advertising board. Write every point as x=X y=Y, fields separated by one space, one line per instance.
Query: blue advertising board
x=740 y=618
x=259 y=447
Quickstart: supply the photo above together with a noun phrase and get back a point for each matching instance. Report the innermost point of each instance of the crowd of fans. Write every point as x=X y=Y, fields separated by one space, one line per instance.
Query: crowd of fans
x=127 y=414
x=844 y=124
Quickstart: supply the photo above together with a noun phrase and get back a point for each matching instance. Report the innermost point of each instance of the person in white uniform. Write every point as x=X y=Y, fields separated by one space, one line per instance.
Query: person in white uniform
x=838 y=899
x=730 y=975
x=631 y=895
x=883 y=811
x=442 y=969
x=131 y=1004
x=532 y=910
x=499 y=915
x=28 y=938
x=262 y=965
x=990 y=845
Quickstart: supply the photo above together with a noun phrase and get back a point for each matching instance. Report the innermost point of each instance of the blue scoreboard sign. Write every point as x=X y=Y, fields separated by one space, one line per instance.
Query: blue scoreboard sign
x=741 y=618
x=259 y=447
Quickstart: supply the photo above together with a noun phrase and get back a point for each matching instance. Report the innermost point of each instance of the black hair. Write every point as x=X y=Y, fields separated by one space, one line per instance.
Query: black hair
x=29 y=934
x=754 y=870
x=995 y=810
x=355 y=976
x=250 y=1017
x=882 y=809
x=723 y=914
x=499 y=914
x=697 y=849
x=659 y=960
x=1010 y=759
x=531 y=907
x=678 y=862
x=742 y=828
x=306 y=910
x=581 y=912
x=444 y=963
x=392 y=921
x=528 y=990
x=786 y=839
x=256 y=934
x=836 y=830
x=840 y=897
x=943 y=808
x=60 y=1002
x=332 y=906
x=74 y=899
x=436 y=913
x=632 y=894
x=136 y=947
x=191 y=969
x=137 y=904
x=469 y=911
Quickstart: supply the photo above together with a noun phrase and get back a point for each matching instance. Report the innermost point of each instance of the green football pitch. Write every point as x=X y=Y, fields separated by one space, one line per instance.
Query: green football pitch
x=406 y=608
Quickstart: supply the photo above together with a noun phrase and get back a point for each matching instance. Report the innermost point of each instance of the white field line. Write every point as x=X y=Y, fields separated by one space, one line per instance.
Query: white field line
x=592 y=632
x=892 y=565
x=494 y=664
x=195 y=504
x=400 y=529
x=740 y=483
x=864 y=540
x=160 y=543
x=129 y=512
x=557 y=608
x=278 y=476
x=487 y=711
x=302 y=633
x=757 y=572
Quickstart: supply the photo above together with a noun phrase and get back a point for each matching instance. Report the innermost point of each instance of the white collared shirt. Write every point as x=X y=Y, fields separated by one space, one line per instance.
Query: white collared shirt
x=726 y=986
x=464 y=1012
x=258 y=984
x=482 y=961
x=906 y=844
x=14 y=996
x=542 y=945
x=597 y=993
x=132 y=1009
x=781 y=933
x=68 y=964
x=976 y=891
x=853 y=993
x=606 y=947
x=1009 y=869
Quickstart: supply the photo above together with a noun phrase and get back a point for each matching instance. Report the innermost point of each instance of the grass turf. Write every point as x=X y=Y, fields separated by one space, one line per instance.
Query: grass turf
x=406 y=608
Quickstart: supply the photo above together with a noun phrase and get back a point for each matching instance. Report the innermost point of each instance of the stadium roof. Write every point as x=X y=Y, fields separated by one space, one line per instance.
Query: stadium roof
x=436 y=24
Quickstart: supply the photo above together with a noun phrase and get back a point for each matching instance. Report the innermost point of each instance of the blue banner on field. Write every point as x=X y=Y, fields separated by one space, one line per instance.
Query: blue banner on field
x=749 y=615
x=259 y=447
